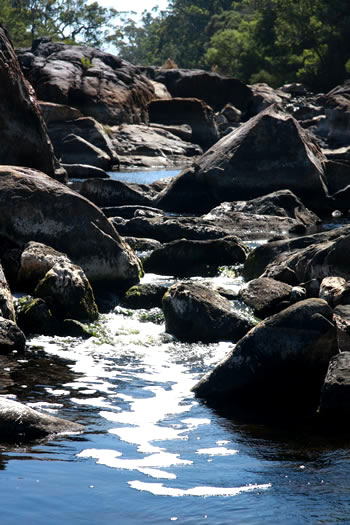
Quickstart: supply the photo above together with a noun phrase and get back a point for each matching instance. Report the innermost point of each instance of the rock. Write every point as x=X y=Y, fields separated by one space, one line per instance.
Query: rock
x=7 y=308
x=295 y=88
x=132 y=210
x=46 y=211
x=266 y=296
x=154 y=146
x=166 y=228
x=282 y=203
x=68 y=293
x=74 y=149
x=277 y=250
x=186 y=257
x=84 y=171
x=189 y=111
x=338 y=178
x=214 y=89
x=100 y=85
x=58 y=112
x=91 y=144
x=24 y=138
x=337 y=109
x=11 y=337
x=331 y=290
x=264 y=96
x=142 y=244
x=270 y=152
x=341 y=317
x=195 y=313
x=279 y=365
x=20 y=423
x=36 y=260
x=335 y=394
x=106 y=193
x=144 y=296
x=183 y=131
x=325 y=259
x=34 y=317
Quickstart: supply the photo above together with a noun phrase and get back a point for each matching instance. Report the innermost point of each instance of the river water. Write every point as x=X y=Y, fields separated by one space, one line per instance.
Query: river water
x=151 y=453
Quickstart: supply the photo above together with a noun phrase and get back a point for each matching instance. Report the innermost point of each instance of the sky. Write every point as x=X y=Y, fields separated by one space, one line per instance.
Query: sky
x=133 y=5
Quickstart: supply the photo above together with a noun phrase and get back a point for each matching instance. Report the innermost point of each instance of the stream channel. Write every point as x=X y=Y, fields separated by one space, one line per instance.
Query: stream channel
x=152 y=453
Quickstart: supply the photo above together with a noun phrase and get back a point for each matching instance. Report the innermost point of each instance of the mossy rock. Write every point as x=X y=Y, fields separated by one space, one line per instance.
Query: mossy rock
x=144 y=296
x=35 y=317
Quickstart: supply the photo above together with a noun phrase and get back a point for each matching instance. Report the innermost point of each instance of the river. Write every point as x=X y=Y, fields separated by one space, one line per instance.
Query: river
x=151 y=452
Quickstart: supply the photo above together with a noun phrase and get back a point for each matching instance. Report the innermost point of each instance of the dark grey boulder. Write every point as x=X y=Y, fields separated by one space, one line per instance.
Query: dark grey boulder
x=110 y=192
x=280 y=364
x=195 y=312
x=84 y=171
x=186 y=257
x=278 y=250
x=214 y=89
x=282 y=203
x=20 y=423
x=341 y=317
x=68 y=293
x=35 y=261
x=156 y=147
x=99 y=84
x=46 y=211
x=24 y=138
x=148 y=295
x=7 y=308
x=335 y=394
x=266 y=296
x=270 y=152
x=191 y=111
x=11 y=337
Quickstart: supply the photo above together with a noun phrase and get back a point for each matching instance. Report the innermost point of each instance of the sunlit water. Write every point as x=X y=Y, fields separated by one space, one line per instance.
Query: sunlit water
x=142 y=177
x=151 y=453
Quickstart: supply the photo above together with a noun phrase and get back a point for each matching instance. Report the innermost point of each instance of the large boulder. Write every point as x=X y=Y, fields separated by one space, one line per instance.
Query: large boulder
x=190 y=111
x=335 y=394
x=85 y=128
x=282 y=203
x=266 y=296
x=7 y=308
x=99 y=84
x=68 y=293
x=112 y=193
x=41 y=209
x=337 y=109
x=186 y=257
x=194 y=312
x=270 y=152
x=138 y=145
x=19 y=423
x=213 y=88
x=11 y=337
x=24 y=138
x=280 y=364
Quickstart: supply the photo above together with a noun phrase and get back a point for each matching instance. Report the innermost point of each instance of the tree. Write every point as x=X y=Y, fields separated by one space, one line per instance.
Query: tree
x=66 y=20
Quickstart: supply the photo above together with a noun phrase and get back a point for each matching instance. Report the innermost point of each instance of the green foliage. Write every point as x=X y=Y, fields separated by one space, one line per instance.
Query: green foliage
x=67 y=20
x=85 y=62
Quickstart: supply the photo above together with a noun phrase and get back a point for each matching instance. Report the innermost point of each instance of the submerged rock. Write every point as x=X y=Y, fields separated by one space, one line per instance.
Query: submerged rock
x=195 y=313
x=19 y=423
x=279 y=365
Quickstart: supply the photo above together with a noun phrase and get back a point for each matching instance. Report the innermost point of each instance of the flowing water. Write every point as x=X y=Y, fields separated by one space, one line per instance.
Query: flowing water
x=151 y=453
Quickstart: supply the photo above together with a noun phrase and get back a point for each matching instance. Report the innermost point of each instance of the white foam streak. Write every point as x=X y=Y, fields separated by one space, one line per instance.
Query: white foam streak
x=158 y=489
